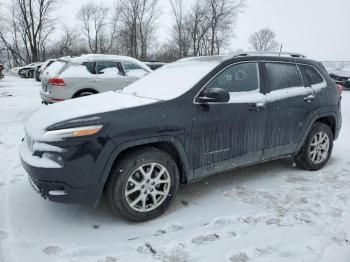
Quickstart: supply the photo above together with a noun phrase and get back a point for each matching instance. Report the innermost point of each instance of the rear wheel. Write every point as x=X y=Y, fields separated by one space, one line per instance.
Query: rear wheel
x=143 y=185
x=317 y=148
x=84 y=93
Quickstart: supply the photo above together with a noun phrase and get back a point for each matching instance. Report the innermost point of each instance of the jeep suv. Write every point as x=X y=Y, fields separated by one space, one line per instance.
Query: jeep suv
x=185 y=121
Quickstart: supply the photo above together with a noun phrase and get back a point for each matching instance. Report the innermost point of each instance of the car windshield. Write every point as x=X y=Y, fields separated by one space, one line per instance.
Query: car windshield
x=173 y=79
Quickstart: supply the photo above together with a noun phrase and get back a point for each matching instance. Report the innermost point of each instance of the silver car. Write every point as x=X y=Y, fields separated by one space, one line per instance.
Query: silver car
x=69 y=77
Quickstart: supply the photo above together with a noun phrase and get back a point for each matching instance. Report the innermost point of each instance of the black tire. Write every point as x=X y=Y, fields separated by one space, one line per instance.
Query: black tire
x=304 y=158
x=119 y=180
x=30 y=74
x=84 y=93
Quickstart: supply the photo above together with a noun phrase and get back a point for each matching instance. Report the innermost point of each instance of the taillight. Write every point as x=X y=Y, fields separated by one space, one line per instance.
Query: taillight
x=339 y=89
x=56 y=82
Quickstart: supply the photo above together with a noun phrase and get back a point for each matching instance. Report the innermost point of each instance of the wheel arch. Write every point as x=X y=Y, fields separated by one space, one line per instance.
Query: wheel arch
x=328 y=118
x=87 y=89
x=168 y=144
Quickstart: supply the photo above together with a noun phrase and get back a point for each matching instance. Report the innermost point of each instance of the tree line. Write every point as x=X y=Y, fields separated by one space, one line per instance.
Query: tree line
x=29 y=30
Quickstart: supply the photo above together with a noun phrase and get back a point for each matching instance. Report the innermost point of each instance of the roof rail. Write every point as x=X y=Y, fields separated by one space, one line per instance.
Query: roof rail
x=297 y=55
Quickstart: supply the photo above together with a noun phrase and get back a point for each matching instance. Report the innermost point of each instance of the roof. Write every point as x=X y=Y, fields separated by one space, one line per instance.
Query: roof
x=253 y=56
x=101 y=57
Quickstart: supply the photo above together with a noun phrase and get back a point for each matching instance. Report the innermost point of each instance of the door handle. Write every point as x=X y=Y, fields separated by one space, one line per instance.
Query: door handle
x=258 y=107
x=309 y=98
x=97 y=80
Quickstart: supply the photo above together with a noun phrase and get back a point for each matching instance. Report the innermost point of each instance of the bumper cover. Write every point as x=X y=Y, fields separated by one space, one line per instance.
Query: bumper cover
x=62 y=193
x=44 y=177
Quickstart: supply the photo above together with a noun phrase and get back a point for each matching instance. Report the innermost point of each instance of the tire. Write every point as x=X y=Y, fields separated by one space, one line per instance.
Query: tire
x=84 y=93
x=127 y=175
x=308 y=157
x=30 y=74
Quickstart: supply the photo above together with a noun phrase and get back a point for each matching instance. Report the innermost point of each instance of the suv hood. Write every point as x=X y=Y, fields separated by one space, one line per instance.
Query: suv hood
x=85 y=108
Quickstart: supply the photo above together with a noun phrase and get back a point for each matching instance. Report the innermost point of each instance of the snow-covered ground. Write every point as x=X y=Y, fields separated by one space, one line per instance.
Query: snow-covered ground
x=269 y=212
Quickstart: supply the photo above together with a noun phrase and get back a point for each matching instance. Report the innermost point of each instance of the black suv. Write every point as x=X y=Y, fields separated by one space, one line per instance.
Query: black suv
x=188 y=120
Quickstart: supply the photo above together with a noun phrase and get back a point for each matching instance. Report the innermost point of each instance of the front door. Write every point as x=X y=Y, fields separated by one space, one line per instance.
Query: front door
x=231 y=134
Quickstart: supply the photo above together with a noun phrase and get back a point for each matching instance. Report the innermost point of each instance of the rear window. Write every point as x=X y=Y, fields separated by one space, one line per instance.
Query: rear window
x=281 y=76
x=56 y=67
x=90 y=66
x=312 y=76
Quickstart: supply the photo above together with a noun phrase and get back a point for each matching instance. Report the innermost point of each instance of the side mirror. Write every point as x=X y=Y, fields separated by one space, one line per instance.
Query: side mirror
x=215 y=95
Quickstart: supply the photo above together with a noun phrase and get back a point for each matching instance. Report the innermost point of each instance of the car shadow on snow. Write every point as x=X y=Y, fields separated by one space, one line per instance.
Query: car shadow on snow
x=193 y=194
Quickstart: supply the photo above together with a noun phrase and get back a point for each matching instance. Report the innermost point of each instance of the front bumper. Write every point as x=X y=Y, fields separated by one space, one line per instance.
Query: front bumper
x=62 y=193
x=70 y=176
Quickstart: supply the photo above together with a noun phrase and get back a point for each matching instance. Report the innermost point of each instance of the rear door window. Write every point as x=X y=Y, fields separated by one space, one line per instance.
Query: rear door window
x=237 y=78
x=282 y=76
x=312 y=76
x=90 y=66
x=106 y=67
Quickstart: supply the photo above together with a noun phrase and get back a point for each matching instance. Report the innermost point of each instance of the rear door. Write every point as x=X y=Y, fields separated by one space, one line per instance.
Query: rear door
x=133 y=72
x=290 y=104
x=108 y=76
x=230 y=134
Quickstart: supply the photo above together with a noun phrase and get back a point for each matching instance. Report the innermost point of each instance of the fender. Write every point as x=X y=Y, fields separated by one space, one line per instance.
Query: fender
x=188 y=172
x=317 y=115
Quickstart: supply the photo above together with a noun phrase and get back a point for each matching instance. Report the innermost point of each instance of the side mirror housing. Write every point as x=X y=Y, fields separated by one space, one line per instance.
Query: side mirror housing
x=216 y=95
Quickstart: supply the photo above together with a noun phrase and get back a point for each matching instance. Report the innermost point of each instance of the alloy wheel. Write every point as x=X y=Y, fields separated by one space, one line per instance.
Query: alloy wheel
x=319 y=147
x=147 y=187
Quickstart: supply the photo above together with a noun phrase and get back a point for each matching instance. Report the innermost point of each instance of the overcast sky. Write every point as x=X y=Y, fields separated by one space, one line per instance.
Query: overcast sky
x=318 y=28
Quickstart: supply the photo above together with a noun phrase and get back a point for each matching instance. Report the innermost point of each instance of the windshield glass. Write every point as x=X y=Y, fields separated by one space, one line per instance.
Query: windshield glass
x=173 y=79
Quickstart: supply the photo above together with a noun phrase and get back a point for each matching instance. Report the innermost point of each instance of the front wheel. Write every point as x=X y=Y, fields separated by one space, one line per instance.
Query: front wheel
x=317 y=148
x=143 y=185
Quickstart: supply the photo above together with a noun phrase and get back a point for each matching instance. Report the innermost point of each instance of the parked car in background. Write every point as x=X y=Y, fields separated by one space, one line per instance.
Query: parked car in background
x=154 y=65
x=69 y=78
x=28 y=71
x=188 y=120
x=41 y=68
x=341 y=77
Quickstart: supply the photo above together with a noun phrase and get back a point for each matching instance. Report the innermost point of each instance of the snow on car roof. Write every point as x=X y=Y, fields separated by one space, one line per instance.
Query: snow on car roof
x=100 y=57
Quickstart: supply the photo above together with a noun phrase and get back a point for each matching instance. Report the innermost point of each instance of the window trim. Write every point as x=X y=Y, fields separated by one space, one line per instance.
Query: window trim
x=268 y=90
x=226 y=67
x=324 y=80
x=106 y=61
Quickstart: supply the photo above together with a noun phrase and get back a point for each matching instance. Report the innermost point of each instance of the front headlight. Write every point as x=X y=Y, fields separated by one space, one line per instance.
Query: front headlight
x=72 y=132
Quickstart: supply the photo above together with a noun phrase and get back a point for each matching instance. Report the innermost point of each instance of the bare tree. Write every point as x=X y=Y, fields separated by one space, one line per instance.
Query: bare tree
x=179 y=32
x=137 y=25
x=10 y=36
x=263 y=40
x=222 y=15
x=197 y=26
x=94 y=22
x=205 y=27
x=35 y=21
